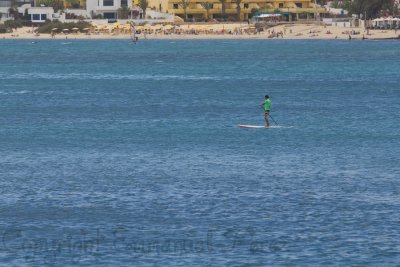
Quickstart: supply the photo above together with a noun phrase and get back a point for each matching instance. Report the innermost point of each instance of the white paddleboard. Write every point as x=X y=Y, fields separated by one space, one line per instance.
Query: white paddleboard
x=262 y=126
x=250 y=126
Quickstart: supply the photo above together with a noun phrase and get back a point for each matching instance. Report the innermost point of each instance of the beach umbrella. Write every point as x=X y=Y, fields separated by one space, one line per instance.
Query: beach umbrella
x=75 y=29
x=126 y=28
x=65 y=30
x=178 y=19
x=54 y=29
x=85 y=29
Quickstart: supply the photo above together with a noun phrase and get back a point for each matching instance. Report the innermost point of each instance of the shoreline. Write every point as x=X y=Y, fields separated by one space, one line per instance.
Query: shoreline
x=33 y=39
x=230 y=31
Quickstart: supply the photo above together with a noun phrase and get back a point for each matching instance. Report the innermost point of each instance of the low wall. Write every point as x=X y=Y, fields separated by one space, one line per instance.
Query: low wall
x=345 y=23
x=121 y=21
x=159 y=15
x=78 y=12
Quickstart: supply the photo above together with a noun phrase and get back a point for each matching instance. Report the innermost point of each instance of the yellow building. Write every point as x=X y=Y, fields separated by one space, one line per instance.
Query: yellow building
x=209 y=9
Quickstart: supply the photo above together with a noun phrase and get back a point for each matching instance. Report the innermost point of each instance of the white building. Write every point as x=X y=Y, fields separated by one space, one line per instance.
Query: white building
x=336 y=11
x=5 y=6
x=41 y=14
x=107 y=8
x=4 y=15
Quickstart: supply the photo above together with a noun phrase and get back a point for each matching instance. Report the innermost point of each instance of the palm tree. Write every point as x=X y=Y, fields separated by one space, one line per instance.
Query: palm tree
x=185 y=4
x=223 y=9
x=238 y=2
x=55 y=4
x=144 y=4
x=371 y=8
x=13 y=10
x=124 y=12
x=73 y=3
x=207 y=6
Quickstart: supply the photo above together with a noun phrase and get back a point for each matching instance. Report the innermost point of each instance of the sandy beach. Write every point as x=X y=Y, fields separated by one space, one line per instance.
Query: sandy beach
x=219 y=31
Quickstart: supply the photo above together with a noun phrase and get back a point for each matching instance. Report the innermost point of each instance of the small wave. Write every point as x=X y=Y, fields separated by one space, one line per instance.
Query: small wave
x=90 y=76
x=280 y=126
x=39 y=92
x=135 y=77
x=21 y=92
x=160 y=77
x=14 y=93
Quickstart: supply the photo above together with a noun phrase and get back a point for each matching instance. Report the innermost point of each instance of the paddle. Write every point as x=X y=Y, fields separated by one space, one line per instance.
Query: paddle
x=273 y=119
x=270 y=116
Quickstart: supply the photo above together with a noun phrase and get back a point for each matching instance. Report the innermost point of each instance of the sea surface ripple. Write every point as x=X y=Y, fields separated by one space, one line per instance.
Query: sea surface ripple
x=113 y=154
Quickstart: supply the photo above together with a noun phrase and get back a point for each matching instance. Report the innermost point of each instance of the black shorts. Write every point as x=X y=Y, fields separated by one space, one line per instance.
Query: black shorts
x=267 y=111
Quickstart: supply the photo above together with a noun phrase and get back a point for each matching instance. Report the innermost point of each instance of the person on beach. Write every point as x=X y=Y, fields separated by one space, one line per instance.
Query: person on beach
x=267 y=107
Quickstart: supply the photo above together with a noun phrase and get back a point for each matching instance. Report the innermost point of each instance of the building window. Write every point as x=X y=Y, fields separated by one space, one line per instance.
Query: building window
x=176 y=6
x=43 y=17
x=108 y=2
x=280 y=5
x=246 y=5
x=108 y=15
x=124 y=2
x=299 y=5
x=5 y=4
x=35 y=16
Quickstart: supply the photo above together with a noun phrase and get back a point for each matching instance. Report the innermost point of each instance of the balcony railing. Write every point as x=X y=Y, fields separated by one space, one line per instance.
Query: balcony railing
x=248 y=10
x=295 y=10
x=260 y=2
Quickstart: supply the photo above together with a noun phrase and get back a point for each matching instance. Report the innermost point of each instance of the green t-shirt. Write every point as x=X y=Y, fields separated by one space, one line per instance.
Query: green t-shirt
x=267 y=104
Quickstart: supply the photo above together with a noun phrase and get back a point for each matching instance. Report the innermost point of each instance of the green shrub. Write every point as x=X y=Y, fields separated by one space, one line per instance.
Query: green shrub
x=3 y=28
x=13 y=24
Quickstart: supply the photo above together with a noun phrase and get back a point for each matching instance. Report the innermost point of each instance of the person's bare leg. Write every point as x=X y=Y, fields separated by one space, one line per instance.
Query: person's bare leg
x=266 y=116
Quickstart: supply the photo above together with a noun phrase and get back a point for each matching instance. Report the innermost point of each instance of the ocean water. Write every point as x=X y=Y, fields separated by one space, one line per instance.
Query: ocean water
x=113 y=154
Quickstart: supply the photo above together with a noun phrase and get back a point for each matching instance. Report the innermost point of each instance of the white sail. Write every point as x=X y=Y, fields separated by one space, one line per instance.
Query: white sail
x=133 y=32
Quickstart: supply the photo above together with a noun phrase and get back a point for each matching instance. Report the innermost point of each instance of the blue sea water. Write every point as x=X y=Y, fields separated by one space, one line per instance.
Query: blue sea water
x=113 y=154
